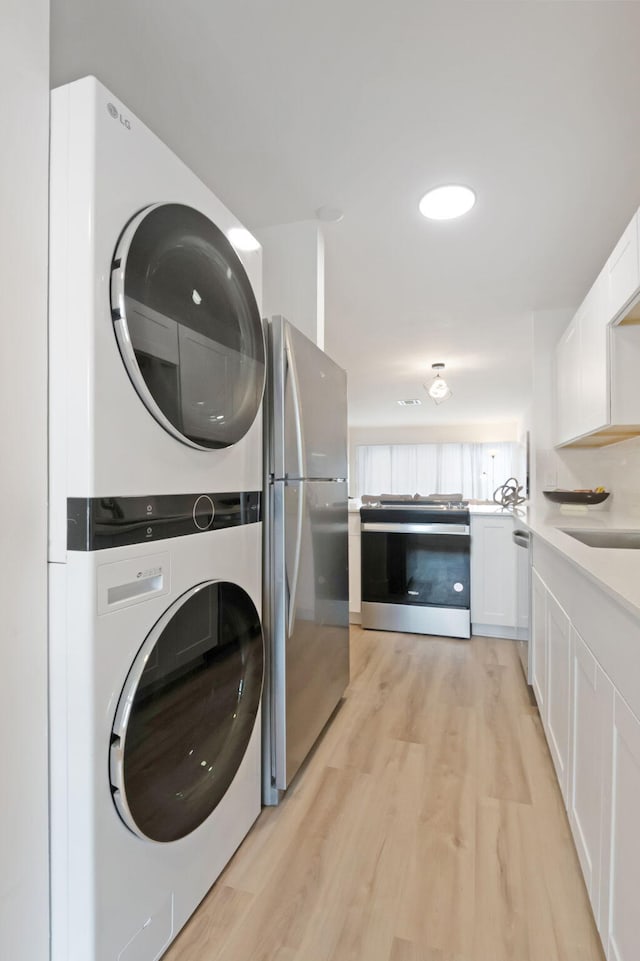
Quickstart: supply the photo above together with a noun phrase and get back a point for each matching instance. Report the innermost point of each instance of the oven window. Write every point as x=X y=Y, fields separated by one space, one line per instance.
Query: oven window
x=429 y=570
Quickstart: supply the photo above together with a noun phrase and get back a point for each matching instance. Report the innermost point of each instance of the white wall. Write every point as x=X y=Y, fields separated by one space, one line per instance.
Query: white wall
x=616 y=467
x=24 y=882
x=293 y=275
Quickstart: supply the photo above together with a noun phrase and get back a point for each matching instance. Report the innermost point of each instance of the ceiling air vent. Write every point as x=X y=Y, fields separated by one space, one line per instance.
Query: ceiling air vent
x=410 y=403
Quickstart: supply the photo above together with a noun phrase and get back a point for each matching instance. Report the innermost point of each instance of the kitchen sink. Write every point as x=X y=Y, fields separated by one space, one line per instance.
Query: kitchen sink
x=629 y=540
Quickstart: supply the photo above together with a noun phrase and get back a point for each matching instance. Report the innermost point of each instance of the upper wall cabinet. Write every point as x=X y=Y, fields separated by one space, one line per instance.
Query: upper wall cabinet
x=623 y=269
x=568 y=383
x=597 y=388
x=582 y=369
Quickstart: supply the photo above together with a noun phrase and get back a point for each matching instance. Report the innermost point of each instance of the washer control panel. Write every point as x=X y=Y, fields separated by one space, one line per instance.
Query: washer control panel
x=96 y=523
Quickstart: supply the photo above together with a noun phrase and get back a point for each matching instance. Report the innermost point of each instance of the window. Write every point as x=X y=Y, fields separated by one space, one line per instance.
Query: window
x=475 y=470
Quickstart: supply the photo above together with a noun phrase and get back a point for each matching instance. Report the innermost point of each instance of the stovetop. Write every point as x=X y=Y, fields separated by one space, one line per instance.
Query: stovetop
x=416 y=512
x=420 y=505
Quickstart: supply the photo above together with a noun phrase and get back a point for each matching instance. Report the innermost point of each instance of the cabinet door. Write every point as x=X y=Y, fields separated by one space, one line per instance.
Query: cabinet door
x=620 y=886
x=623 y=270
x=592 y=705
x=594 y=411
x=539 y=643
x=568 y=381
x=493 y=572
x=559 y=688
x=523 y=577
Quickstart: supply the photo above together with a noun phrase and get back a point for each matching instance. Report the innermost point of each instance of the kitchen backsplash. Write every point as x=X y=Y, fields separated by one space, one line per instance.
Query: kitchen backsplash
x=616 y=467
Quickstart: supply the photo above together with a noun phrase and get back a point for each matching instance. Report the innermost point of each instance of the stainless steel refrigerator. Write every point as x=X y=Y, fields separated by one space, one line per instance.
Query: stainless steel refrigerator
x=306 y=591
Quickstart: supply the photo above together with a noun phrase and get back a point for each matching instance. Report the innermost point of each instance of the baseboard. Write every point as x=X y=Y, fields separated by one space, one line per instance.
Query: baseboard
x=495 y=630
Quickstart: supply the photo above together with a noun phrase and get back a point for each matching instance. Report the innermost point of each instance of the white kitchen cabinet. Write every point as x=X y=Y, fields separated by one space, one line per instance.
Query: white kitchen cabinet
x=558 y=688
x=523 y=601
x=591 y=714
x=355 y=586
x=597 y=394
x=603 y=753
x=493 y=576
x=568 y=383
x=539 y=643
x=582 y=369
x=594 y=366
x=620 y=882
x=623 y=269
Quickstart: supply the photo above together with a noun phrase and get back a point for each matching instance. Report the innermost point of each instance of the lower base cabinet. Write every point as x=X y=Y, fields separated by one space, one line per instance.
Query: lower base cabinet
x=594 y=740
x=558 y=689
x=494 y=573
x=591 y=713
x=539 y=594
x=620 y=887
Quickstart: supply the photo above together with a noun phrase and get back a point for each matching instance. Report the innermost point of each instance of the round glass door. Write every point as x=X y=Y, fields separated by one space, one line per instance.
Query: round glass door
x=187 y=712
x=188 y=326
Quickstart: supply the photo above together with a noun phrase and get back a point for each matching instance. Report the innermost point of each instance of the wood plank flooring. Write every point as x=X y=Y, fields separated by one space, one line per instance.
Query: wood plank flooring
x=426 y=826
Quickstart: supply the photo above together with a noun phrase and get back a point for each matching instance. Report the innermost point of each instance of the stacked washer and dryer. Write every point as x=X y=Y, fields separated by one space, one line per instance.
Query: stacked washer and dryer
x=157 y=371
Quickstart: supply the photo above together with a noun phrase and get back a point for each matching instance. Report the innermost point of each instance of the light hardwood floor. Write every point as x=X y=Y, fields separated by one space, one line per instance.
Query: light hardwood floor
x=426 y=826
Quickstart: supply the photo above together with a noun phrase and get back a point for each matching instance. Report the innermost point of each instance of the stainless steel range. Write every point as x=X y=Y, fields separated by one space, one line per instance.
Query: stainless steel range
x=415 y=568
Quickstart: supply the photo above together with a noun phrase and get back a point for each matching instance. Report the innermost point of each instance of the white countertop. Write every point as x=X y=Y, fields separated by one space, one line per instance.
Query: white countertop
x=614 y=570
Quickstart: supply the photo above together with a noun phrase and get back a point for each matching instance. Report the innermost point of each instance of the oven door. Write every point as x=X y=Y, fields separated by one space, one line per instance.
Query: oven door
x=422 y=569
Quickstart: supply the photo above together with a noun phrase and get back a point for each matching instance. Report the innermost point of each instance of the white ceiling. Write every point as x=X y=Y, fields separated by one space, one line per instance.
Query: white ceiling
x=282 y=106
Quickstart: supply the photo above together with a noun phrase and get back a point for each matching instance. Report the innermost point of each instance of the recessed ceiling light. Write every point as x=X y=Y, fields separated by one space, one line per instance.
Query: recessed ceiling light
x=410 y=403
x=445 y=203
x=241 y=239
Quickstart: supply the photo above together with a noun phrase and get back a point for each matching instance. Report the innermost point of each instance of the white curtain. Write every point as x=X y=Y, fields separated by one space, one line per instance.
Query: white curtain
x=475 y=470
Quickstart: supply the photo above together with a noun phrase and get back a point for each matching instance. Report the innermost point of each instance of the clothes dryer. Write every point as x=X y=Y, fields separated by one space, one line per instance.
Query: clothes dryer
x=157 y=359
x=155 y=684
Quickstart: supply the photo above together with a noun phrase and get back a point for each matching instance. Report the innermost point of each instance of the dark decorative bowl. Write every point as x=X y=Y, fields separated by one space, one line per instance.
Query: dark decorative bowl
x=576 y=497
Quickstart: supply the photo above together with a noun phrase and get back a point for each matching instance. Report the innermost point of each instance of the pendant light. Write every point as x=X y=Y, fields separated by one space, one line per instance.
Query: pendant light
x=438 y=390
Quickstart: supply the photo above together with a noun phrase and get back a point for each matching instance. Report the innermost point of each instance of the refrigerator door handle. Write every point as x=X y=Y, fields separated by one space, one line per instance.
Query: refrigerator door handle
x=293 y=584
x=297 y=409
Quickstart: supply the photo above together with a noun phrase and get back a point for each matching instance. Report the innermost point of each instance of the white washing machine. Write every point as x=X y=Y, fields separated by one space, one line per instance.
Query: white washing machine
x=156 y=676
x=157 y=361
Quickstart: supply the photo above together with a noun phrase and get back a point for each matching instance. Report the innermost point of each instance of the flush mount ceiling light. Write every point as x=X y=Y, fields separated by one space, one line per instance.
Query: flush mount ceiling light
x=447 y=202
x=241 y=239
x=410 y=403
x=438 y=390
x=329 y=215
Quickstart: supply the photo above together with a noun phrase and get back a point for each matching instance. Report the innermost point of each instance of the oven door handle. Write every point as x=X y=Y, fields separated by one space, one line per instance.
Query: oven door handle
x=457 y=530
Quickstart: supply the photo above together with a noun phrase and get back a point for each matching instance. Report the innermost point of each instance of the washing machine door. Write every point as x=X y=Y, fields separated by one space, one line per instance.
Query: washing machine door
x=187 y=712
x=188 y=325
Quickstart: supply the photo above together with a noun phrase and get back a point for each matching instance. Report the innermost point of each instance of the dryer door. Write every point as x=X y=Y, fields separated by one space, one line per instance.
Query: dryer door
x=187 y=712
x=188 y=326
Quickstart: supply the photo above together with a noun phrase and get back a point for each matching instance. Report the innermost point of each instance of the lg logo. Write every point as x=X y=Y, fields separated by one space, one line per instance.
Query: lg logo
x=115 y=113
